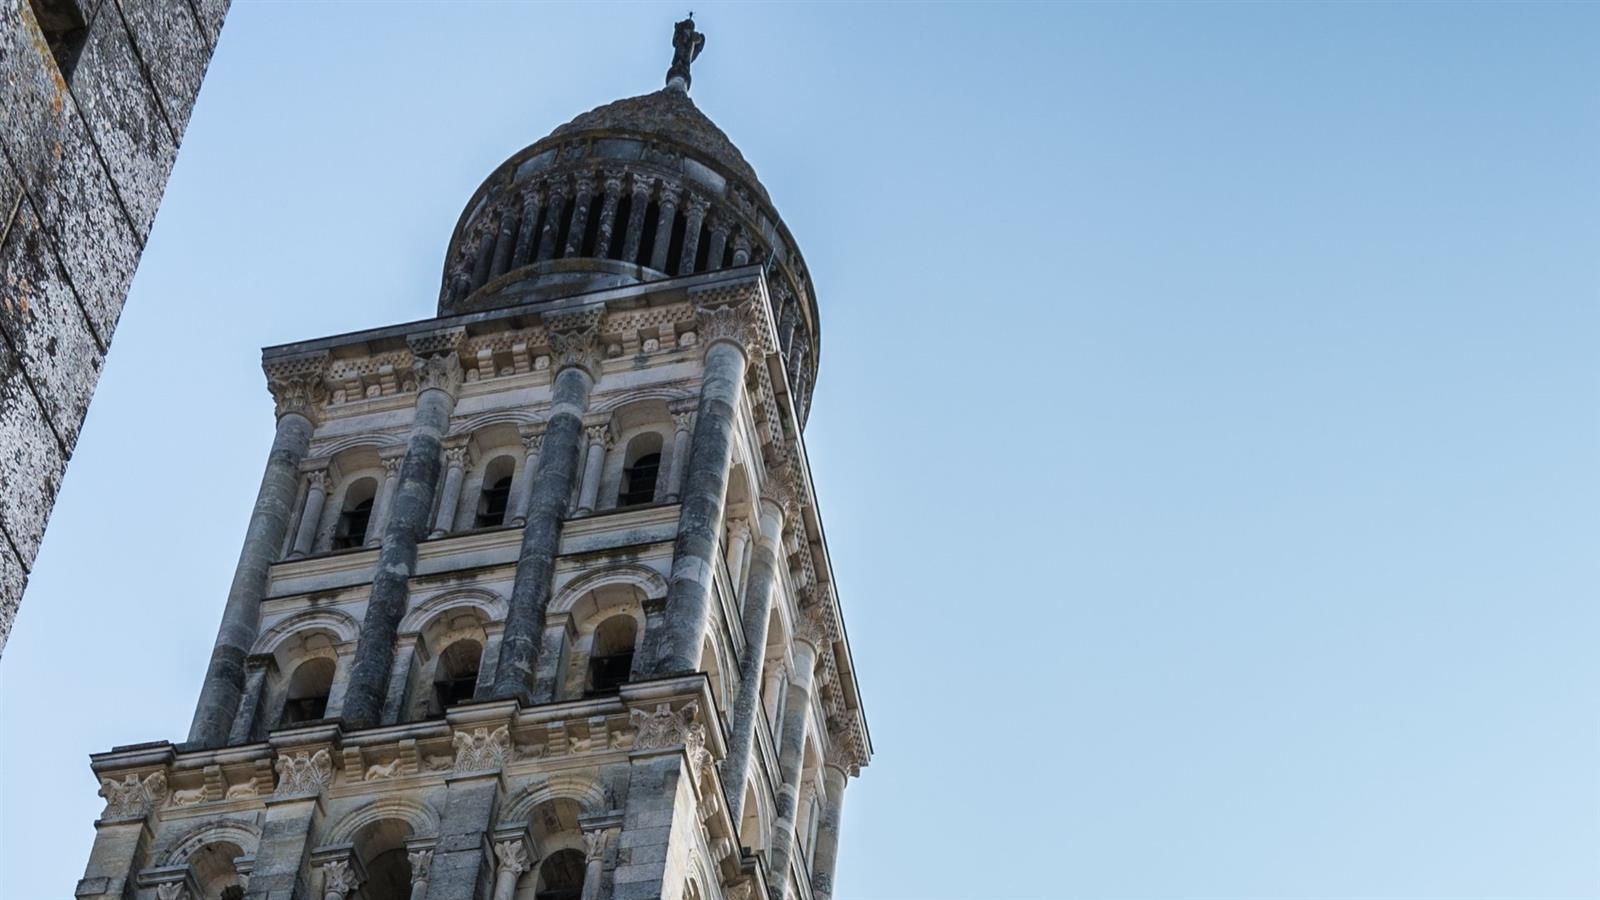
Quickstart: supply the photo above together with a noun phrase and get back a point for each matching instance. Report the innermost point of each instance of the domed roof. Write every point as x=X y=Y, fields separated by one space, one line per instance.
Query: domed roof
x=669 y=114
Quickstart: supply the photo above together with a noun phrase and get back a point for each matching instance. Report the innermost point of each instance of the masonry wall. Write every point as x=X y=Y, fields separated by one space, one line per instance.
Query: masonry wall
x=94 y=99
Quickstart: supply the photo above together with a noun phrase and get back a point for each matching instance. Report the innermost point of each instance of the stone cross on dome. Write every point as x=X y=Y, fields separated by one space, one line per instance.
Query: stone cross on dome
x=686 y=45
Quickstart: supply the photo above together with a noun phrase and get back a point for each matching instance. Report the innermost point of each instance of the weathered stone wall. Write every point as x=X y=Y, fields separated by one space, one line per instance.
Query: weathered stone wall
x=94 y=99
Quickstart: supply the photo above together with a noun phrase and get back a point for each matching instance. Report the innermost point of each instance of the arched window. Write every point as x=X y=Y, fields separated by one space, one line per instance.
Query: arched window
x=456 y=678
x=496 y=497
x=641 y=467
x=309 y=687
x=561 y=876
x=611 y=659
x=356 y=517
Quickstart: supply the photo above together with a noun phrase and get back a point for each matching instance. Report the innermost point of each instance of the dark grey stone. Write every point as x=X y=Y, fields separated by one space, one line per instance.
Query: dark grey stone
x=31 y=460
x=174 y=52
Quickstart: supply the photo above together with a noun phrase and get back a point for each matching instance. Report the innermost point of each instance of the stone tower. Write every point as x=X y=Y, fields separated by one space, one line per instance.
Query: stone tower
x=534 y=601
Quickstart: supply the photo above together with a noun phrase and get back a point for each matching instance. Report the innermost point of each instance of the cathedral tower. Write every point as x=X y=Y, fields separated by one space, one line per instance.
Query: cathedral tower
x=534 y=602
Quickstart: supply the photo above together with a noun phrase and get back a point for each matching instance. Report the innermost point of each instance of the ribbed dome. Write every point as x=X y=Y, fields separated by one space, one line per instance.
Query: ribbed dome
x=669 y=114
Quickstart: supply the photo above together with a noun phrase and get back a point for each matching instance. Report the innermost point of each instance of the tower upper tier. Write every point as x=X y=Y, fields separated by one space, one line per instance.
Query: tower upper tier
x=636 y=190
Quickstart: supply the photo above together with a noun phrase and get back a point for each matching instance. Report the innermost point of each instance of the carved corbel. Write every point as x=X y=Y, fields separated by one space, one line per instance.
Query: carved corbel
x=574 y=338
x=298 y=383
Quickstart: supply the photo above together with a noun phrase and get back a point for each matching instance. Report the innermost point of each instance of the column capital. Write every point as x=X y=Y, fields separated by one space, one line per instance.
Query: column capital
x=738 y=528
x=512 y=855
x=643 y=185
x=391 y=463
x=734 y=323
x=670 y=192
x=612 y=180
x=574 y=338
x=813 y=627
x=595 y=841
x=600 y=432
x=133 y=796
x=533 y=438
x=696 y=205
x=298 y=383
x=458 y=453
x=421 y=861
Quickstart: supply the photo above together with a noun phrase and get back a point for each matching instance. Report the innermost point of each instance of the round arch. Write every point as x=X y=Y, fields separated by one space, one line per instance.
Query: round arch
x=242 y=834
x=491 y=605
x=646 y=579
x=586 y=792
x=342 y=624
x=420 y=817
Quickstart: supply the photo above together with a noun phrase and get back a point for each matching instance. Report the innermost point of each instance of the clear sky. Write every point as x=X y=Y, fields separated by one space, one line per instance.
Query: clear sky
x=1206 y=429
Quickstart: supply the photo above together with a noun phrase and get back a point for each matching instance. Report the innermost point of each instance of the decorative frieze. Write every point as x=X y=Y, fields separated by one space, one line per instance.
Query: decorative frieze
x=303 y=772
x=482 y=749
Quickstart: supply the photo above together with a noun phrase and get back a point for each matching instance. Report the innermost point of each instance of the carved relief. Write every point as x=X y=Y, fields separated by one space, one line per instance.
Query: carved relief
x=304 y=773
x=132 y=797
x=662 y=728
x=512 y=855
x=172 y=890
x=738 y=323
x=437 y=372
x=189 y=797
x=594 y=843
x=421 y=861
x=386 y=770
x=482 y=749
x=339 y=878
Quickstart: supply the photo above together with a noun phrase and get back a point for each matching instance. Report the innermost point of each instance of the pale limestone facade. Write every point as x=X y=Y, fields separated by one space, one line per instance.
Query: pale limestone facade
x=535 y=602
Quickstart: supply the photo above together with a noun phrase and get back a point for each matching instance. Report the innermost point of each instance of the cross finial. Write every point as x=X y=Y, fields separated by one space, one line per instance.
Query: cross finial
x=686 y=45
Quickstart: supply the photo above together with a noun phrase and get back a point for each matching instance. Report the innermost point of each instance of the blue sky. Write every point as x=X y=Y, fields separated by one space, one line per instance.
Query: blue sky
x=1206 y=426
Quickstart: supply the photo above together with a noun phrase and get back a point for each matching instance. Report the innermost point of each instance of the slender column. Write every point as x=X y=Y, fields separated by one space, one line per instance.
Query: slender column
x=682 y=422
x=594 y=858
x=599 y=442
x=298 y=394
x=530 y=220
x=522 y=483
x=738 y=538
x=741 y=248
x=513 y=860
x=608 y=214
x=456 y=460
x=635 y=233
x=438 y=378
x=552 y=222
x=727 y=331
x=719 y=242
x=834 y=774
x=694 y=219
x=317 y=485
x=809 y=640
x=421 y=861
x=380 y=509
x=485 y=258
x=776 y=498
x=573 y=338
x=505 y=243
x=583 y=198
x=666 y=215
x=258 y=668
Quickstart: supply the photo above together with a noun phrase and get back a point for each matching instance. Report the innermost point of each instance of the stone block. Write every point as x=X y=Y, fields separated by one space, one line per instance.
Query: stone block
x=41 y=318
x=32 y=93
x=175 y=53
x=210 y=14
x=13 y=579
x=134 y=140
x=31 y=461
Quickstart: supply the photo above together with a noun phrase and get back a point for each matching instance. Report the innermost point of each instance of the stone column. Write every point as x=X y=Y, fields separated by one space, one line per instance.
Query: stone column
x=727 y=333
x=298 y=389
x=635 y=233
x=834 y=774
x=608 y=214
x=810 y=640
x=258 y=668
x=438 y=376
x=694 y=220
x=573 y=339
x=719 y=241
x=552 y=222
x=666 y=215
x=522 y=482
x=583 y=198
x=504 y=244
x=776 y=498
x=512 y=859
x=462 y=862
x=457 y=458
x=682 y=423
x=594 y=857
x=318 y=483
x=599 y=442
x=421 y=861
x=380 y=508
x=526 y=239
x=482 y=263
x=738 y=538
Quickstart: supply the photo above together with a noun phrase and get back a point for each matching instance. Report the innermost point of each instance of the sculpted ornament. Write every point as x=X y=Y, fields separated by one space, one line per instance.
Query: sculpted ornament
x=131 y=797
x=738 y=323
x=812 y=627
x=594 y=843
x=513 y=856
x=437 y=372
x=482 y=749
x=189 y=797
x=302 y=395
x=421 y=861
x=339 y=879
x=304 y=773
x=172 y=890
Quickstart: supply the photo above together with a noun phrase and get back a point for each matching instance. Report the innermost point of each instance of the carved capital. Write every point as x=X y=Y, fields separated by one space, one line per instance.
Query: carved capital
x=482 y=749
x=302 y=395
x=779 y=488
x=814 y=628
x=600 y=434
x=683 y=419
x=441 y=372
x=458 y=456
x=612 y=178
x=664 y=728
x=421 y=861
x=512 y=856
x=533 y=442
x=642 y=186
x=303 y=772
x=340 y=877
x=736 y=323
x=391 y=465
x=575 y=340
x=696 y=207
x=594 y=843
x=133 y=797
x=172 y=890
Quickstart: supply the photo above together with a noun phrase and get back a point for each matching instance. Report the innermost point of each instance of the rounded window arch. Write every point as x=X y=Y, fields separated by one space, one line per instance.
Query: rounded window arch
x=611 y=654
x=381 y=847
x=495 y=498
x=355 y=516
x=306 y=699
x=214 y=872
x=641 y=470
x=450 y=659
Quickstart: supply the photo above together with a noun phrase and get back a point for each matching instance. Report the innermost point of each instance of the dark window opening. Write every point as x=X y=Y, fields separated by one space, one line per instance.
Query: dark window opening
x=591 y=229
x=304 y=709
x=565 y=229
x=703 y=250
x=492 y=509
x=727 y=255
x=457 y=678
x=639 y=481
x=647 y=238
x=611 y=656
x=675 y=245
x=65 y=30
x=353 y=524
x=619 y=228
x=309 y=686
x=561 y=876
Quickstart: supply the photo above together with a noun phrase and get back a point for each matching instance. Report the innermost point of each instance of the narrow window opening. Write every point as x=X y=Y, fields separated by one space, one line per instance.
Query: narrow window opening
x=566 y=228
x=611 y=659
x=353 y=524
x=591 y=230
x=492 y=507
x=619 y=228
x=456 y=679
x=65 y=30
x=309 y=687
x=639 y=481
x=675 y=246
x=704 y=250
x=647 y=240
x=561 y=876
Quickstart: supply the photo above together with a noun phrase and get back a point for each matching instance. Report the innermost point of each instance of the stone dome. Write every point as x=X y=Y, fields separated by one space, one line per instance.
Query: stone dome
x=641 y=189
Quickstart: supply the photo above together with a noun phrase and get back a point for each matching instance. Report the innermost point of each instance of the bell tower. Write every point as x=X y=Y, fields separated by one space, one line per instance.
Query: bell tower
x=534 y=602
